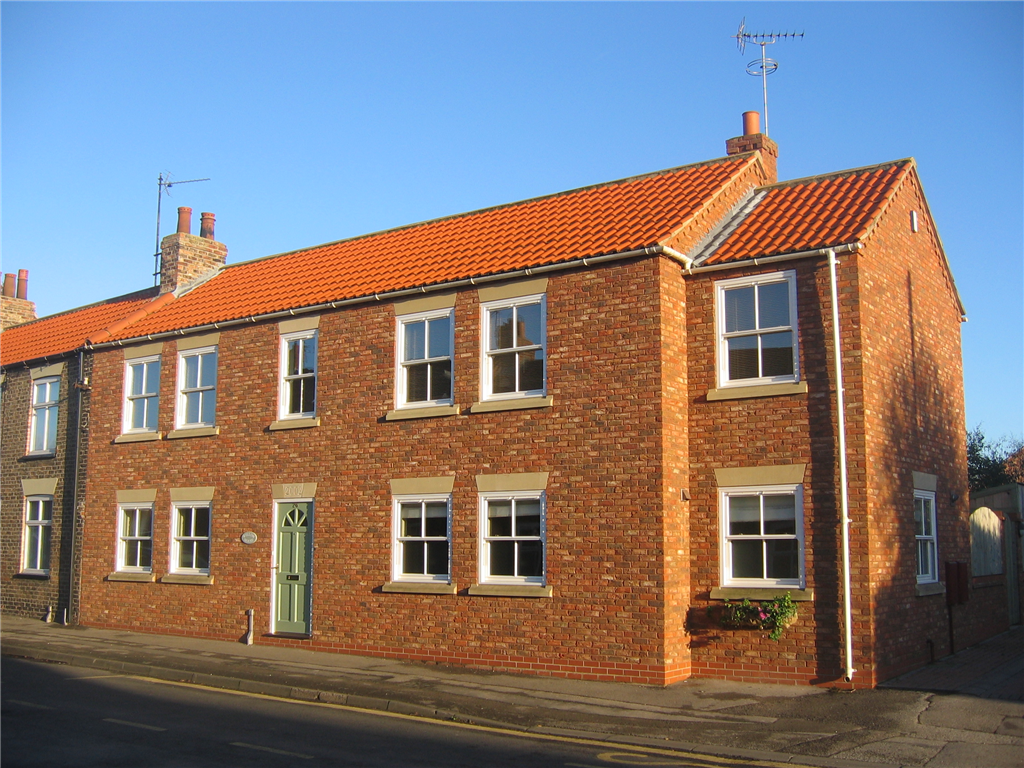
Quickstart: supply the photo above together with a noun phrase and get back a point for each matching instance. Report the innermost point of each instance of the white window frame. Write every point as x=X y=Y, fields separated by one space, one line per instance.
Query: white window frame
x=44 y=415
x=181 y=412
x=399 y=541
x=191 y=540
x=723 y=336
x=148 y=401
x=38 y=545
x=402 y=364
x=487 y=354
x=485 y=540
x=284 y=394
x=726 y=539
x=929 y=541
x=128 y=541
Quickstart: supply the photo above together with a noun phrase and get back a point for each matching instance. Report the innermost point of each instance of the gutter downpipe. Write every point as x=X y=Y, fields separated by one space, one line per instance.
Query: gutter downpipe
x=72 y=581
x=843 y=483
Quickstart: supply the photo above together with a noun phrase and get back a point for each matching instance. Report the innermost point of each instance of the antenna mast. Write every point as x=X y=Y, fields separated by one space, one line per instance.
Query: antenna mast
x=764 y=66
x=163 y=185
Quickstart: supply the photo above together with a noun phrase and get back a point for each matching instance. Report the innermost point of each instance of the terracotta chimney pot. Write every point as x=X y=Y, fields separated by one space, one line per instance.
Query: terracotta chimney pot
x=22 y=284
x=751 y=123
x=9 y=285
x=206 y=226
x=185 y=220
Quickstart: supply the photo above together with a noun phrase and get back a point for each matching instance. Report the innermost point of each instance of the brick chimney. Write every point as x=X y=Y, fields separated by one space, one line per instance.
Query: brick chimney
x=184 y=257
x=15 y=308
x=753 y=140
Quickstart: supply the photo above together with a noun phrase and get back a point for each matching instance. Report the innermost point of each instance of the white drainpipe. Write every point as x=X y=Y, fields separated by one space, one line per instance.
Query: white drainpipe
x=843 y=495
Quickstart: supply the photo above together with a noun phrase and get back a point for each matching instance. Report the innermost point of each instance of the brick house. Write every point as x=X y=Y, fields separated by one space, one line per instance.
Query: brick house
x=43 y=410
x=554 y=436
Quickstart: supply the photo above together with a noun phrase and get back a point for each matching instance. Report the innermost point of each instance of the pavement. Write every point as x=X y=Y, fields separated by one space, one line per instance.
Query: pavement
x=964 y=711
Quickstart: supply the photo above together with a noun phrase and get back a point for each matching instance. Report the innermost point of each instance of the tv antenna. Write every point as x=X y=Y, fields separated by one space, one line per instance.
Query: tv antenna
x=163 y=186
x=764 y=66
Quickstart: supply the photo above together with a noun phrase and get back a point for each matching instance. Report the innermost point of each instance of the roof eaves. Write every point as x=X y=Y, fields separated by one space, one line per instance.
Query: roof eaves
x=772 y=258
x=648 y=250
x=32 y=362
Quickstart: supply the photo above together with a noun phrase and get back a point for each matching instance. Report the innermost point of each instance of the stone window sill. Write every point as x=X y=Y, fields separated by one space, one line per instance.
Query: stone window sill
x=131 y=576
x=138 y=437
x=422 y=413
x=32 y=576
x=515 y=404
x=509 y=590
x=930 y=588
x=419 y=588
x=761 y=390
x=40 y=455
x=758 y=593
x=186 y=578
x=295 y=424
x=176 y=434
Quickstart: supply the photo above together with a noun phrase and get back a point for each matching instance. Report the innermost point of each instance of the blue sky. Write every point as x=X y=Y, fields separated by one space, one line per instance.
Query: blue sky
x=319 y=121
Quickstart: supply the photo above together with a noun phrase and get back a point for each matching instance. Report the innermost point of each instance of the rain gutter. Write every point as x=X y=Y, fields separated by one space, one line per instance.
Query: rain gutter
x=650 y=250
x=847 y=248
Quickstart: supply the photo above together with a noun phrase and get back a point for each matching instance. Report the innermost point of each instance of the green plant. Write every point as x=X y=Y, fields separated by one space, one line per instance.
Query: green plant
x=772 y=615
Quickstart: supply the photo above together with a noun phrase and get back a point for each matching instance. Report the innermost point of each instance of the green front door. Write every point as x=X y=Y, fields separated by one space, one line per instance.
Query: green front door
x=292 y=594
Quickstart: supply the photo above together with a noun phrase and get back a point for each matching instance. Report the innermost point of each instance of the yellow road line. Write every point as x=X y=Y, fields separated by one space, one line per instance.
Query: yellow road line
x=92 y=677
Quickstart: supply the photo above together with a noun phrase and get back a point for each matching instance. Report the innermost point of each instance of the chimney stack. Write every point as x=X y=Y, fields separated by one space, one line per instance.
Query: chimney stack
x=753 y=140
x=186 y=258
x=15 y=308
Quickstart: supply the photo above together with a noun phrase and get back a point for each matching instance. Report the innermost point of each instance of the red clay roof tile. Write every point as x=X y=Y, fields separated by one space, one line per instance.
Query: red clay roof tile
x=58 y=334
x=608 y=218
x=812 y=213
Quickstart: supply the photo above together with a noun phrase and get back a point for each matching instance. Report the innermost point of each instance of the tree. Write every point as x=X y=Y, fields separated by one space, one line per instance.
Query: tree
x=1014 y=466
x=993 y=462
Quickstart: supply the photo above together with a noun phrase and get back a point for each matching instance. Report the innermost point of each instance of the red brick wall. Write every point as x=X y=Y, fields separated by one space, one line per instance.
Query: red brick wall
x=675 y=448
x=631 y=358
x=913 y=421
x=601 y=442
x=752 y=432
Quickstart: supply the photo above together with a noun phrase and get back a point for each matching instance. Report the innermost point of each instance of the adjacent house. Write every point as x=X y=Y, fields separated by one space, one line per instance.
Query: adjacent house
x=559 y=436
x=42 y=462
